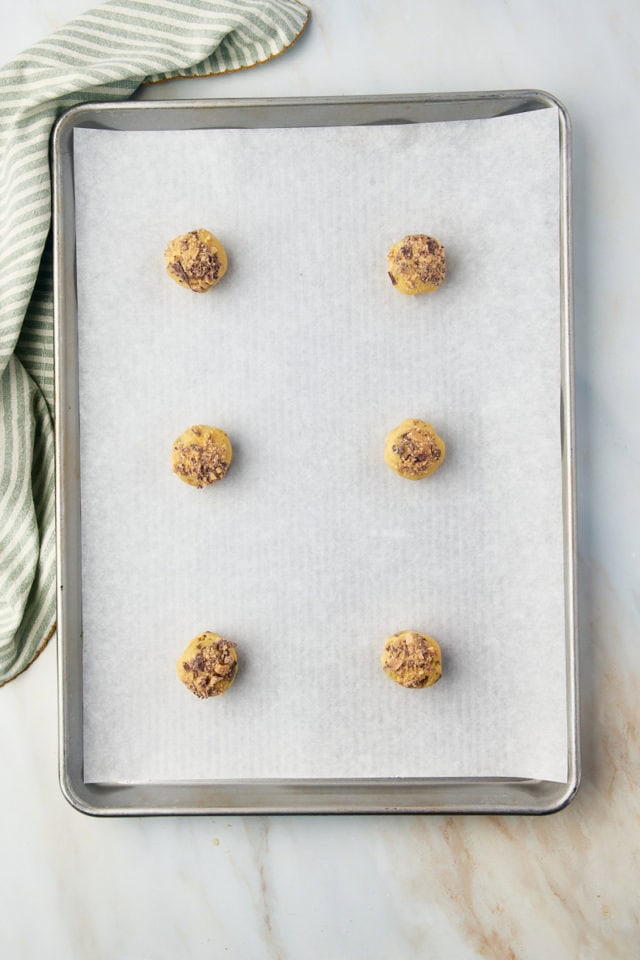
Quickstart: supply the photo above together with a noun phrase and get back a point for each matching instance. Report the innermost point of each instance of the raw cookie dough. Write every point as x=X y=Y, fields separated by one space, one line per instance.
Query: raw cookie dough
x=201 y=455
x=209 y=665
x=416 y=264
x=414 y=450
x=196 y=260
x=412 y=659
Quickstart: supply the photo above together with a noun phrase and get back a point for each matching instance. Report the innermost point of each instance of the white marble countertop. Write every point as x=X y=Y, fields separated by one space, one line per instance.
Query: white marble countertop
x=452 y=888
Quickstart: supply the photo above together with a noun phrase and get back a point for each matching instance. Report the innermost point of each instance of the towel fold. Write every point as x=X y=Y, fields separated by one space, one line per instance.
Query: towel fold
x=103 y=55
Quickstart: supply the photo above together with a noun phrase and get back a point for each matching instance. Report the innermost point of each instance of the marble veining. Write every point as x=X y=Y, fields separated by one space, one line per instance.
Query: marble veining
x=562 y=887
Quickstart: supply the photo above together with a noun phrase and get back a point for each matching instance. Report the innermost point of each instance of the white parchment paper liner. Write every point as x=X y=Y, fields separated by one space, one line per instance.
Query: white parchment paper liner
x=312 y=551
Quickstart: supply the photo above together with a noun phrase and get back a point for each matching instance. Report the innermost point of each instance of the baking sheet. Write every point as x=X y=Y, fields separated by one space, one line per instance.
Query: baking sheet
x=311 y=551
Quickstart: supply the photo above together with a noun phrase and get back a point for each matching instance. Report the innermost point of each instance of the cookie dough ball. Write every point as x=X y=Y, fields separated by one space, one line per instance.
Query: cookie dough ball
x=196 y=260
x=201 y=455
x=208 y=666
x=414 y=449
x=412 y=659
x=416 y=264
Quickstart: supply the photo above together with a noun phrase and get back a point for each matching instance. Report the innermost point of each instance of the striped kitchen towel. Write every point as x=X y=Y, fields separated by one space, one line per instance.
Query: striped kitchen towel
x=103 y=55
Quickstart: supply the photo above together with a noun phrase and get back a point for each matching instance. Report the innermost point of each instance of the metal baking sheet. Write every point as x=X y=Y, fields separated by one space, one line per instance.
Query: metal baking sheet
x=429 y=795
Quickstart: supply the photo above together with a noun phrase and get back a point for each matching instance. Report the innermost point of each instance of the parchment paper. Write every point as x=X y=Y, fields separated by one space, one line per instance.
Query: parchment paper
x=312 y=551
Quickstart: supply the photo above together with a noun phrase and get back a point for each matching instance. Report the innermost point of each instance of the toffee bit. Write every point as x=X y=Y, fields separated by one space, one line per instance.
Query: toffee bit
x=180 y=271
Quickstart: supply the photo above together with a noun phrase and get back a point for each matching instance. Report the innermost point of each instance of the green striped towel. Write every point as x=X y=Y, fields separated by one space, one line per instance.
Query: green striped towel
x=103 y=55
